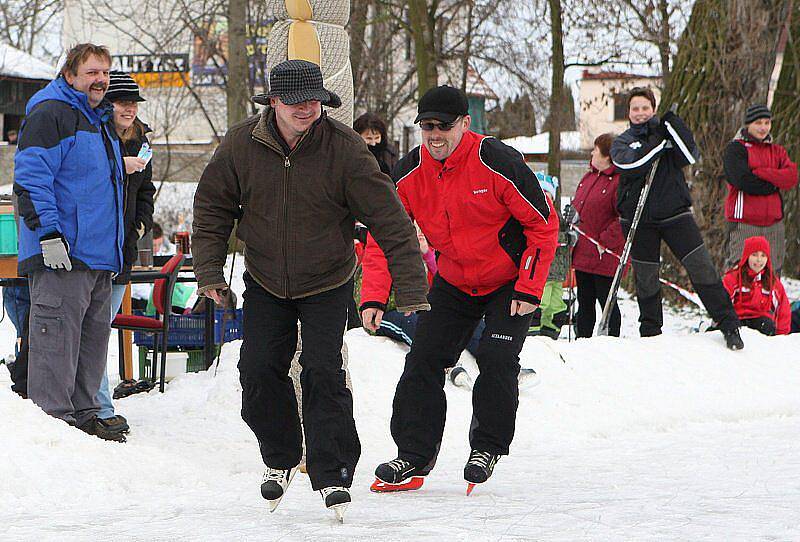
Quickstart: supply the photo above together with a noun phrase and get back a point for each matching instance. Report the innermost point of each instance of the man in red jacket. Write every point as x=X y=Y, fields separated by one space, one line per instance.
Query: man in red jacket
x=757 y=170
x=495 y=233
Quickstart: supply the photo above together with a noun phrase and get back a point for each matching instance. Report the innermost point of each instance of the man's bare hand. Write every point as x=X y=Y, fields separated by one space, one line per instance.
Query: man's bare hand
x=371 y=319
x=521 y=308
x=217 y=295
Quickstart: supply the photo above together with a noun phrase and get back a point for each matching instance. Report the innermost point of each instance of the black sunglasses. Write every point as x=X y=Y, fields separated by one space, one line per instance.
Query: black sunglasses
x=442 y=126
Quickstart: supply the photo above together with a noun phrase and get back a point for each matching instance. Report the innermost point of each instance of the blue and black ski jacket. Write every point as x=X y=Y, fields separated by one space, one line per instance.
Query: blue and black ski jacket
x=68 y=178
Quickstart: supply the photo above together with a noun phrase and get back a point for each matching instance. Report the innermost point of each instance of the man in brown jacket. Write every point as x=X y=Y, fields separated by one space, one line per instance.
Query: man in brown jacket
x=296 y=180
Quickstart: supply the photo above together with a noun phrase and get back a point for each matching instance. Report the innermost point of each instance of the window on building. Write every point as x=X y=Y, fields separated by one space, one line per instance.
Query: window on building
x=621 y=106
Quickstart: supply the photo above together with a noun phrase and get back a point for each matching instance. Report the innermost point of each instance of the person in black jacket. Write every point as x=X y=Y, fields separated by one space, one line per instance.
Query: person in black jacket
x=666 y=214
x=373 y=131
x=123 y=92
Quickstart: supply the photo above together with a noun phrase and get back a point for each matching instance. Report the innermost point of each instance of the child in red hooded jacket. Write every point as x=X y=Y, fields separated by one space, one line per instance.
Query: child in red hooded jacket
x=756 y=291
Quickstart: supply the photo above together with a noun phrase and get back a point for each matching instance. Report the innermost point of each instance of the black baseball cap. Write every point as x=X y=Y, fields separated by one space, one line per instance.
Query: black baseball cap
x=442 y=103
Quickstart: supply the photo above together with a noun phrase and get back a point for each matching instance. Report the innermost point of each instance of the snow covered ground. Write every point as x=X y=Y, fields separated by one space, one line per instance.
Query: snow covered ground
x=668 y=438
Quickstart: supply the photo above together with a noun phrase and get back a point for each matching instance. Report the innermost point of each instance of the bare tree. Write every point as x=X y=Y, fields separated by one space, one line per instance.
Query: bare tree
x=25 y=24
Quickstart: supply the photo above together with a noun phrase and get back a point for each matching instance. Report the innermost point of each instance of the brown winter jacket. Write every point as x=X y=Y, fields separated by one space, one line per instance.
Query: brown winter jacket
x=297 y=212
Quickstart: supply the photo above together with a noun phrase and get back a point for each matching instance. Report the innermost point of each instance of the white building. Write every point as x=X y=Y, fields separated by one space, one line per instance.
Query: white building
x=603 y=102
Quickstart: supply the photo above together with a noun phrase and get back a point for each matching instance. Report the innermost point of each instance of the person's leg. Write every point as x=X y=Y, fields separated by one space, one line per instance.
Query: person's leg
x=19 y=370
x=332 y=445
x=602 y=286
x=419 y=405
x=17 y=302
x=495 y=395
x=646 y=259
x=93 y=353
x=59 y=300
x=475 y=340
x=556 y=308
x=103 y=397
x=684 y=240
x=269 y=407
x=586 y=316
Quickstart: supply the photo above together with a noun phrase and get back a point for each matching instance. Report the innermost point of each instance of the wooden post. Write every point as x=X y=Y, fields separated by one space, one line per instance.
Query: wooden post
x=127 y=338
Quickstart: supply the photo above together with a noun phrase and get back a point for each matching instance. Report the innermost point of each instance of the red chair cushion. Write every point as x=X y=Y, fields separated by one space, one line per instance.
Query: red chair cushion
x=133 y=320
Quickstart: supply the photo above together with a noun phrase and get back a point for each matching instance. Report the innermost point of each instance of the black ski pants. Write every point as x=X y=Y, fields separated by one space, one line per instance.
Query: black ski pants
x=442 y=333
x=684 y=240
x=593 y=289
x=269 y=406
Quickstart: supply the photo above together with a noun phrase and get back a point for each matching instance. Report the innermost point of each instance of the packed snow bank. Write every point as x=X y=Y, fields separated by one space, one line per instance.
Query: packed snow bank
x=668 y=437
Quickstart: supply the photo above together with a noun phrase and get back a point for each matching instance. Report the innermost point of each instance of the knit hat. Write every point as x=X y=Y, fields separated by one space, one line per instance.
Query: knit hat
x=297 y=81
x=755 y=112
x=442 y=103
x=122 y=88
x=548 y=183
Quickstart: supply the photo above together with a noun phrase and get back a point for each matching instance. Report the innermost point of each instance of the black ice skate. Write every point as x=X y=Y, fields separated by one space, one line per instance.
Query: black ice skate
x=336 y=499
x=274 y=485
x=479 y=468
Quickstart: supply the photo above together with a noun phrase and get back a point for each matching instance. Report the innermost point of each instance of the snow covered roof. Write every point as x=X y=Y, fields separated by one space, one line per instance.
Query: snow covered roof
x=16 y=63
x=538 y=144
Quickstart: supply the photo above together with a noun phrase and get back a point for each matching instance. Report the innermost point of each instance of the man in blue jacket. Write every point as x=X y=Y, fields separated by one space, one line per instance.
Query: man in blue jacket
x=68 y=178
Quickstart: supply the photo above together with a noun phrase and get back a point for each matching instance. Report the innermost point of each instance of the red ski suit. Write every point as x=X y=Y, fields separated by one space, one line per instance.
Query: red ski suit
x=755 y=300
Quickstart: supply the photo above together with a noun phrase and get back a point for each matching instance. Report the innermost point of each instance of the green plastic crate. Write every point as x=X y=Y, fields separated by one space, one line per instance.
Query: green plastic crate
x=8 y=235
x=194 y=362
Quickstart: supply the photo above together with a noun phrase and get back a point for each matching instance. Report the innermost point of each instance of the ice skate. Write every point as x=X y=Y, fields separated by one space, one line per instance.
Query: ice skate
x=274 y=485
x=336 y=499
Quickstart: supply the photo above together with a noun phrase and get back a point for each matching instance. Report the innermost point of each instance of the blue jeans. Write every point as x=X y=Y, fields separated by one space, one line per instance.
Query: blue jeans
x=103 y=397
x=17 y=302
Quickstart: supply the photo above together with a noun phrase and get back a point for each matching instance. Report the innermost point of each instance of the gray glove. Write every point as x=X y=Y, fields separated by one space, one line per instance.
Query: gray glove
x=55 y=253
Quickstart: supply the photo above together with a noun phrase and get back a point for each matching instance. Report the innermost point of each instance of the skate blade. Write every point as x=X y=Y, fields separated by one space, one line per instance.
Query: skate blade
x=379 y=486
x=273 y=504
x=470 y=487
x=338 y=510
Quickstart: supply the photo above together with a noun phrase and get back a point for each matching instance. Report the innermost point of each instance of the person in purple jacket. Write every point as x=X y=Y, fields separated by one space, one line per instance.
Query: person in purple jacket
x=601 y=235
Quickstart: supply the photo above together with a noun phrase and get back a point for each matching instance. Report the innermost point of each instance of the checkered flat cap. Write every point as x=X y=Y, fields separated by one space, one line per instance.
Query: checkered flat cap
x=295 y=81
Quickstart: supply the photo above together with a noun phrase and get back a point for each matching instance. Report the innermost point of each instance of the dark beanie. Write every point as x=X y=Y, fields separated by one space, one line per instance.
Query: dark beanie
x=755 y=112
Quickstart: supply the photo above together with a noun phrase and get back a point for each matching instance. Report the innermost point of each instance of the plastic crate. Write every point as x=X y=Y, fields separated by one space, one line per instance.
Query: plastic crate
x=8 y=235
x=195 y=362
x=188 y=330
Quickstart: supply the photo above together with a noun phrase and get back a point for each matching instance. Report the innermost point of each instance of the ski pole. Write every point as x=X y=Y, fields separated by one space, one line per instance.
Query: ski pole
x=612 y=293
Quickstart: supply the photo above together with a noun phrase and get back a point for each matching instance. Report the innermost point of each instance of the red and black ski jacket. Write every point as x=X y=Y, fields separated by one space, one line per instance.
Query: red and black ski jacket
x=484 y=213
x=758 y=295
x=756 y=171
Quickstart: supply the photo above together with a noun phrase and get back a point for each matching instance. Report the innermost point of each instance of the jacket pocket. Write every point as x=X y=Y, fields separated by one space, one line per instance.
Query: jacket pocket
x=47 y=323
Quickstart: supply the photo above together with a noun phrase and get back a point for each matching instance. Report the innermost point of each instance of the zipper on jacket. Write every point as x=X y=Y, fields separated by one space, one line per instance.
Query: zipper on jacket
x=284 y=245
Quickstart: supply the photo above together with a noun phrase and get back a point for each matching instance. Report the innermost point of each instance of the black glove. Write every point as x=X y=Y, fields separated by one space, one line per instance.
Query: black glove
x=55 y=252
x=360 y=233
x=767 y=326
x=572 y=238
x=571 y=215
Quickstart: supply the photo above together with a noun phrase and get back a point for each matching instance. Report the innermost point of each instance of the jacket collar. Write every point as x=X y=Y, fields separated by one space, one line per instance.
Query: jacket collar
x=263 y=130
x=608 y=171
x=744 y=135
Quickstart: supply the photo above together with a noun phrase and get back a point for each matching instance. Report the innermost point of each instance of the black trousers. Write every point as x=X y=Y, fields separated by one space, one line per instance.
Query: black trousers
x=269 y=406
x=684 y=240
x=594 y=289
x=442 y=333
